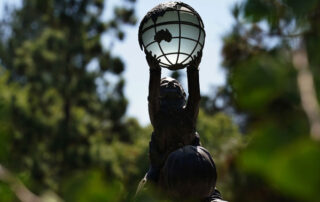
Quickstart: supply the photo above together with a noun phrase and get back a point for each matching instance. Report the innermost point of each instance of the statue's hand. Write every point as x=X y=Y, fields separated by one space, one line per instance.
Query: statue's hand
x=195 y=62
x=152 y=61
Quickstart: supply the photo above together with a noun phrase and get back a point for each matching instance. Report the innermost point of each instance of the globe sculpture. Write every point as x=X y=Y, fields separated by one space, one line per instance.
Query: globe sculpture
x=173 y=32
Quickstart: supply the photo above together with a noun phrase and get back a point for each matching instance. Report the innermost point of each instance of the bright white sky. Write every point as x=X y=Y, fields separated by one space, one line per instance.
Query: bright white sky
x=216 y=16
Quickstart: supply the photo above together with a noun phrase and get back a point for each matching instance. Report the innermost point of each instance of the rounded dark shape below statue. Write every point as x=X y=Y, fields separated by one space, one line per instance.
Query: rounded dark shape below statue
x=189 y=173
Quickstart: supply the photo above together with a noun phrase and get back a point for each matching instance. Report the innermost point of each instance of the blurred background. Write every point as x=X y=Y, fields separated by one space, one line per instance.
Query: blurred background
x=73 y=99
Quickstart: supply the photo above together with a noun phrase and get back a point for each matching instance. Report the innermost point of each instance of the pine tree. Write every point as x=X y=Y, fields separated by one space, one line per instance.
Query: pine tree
x=65 y=112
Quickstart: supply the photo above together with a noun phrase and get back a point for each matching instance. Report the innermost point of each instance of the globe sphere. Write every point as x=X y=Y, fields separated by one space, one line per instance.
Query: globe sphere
x=189 y=172
x=174 y=33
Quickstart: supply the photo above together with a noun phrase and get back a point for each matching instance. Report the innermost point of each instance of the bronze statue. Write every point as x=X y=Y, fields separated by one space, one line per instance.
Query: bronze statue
x=174 y=117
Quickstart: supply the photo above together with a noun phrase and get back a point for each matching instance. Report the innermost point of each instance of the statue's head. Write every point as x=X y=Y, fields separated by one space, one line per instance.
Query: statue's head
x=172 y=95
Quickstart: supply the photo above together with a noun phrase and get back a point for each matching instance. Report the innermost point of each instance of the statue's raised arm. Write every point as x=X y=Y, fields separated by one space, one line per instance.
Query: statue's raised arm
x=154 y=85
x=194 y=88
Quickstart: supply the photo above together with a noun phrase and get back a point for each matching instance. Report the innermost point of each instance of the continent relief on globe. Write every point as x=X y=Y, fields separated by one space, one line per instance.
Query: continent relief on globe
x=163 y=35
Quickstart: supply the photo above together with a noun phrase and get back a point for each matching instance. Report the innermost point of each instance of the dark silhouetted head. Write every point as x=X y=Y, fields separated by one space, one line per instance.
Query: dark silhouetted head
x=172 y=95
x=189 y=173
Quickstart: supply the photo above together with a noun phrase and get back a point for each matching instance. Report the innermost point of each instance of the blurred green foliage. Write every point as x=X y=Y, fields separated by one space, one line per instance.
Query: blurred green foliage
x=279 y=162
x=62 y=122
x=6 y=193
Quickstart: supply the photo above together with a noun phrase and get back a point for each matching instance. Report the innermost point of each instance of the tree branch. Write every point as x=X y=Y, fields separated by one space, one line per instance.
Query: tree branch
x=307 y=90
x=21 y=191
